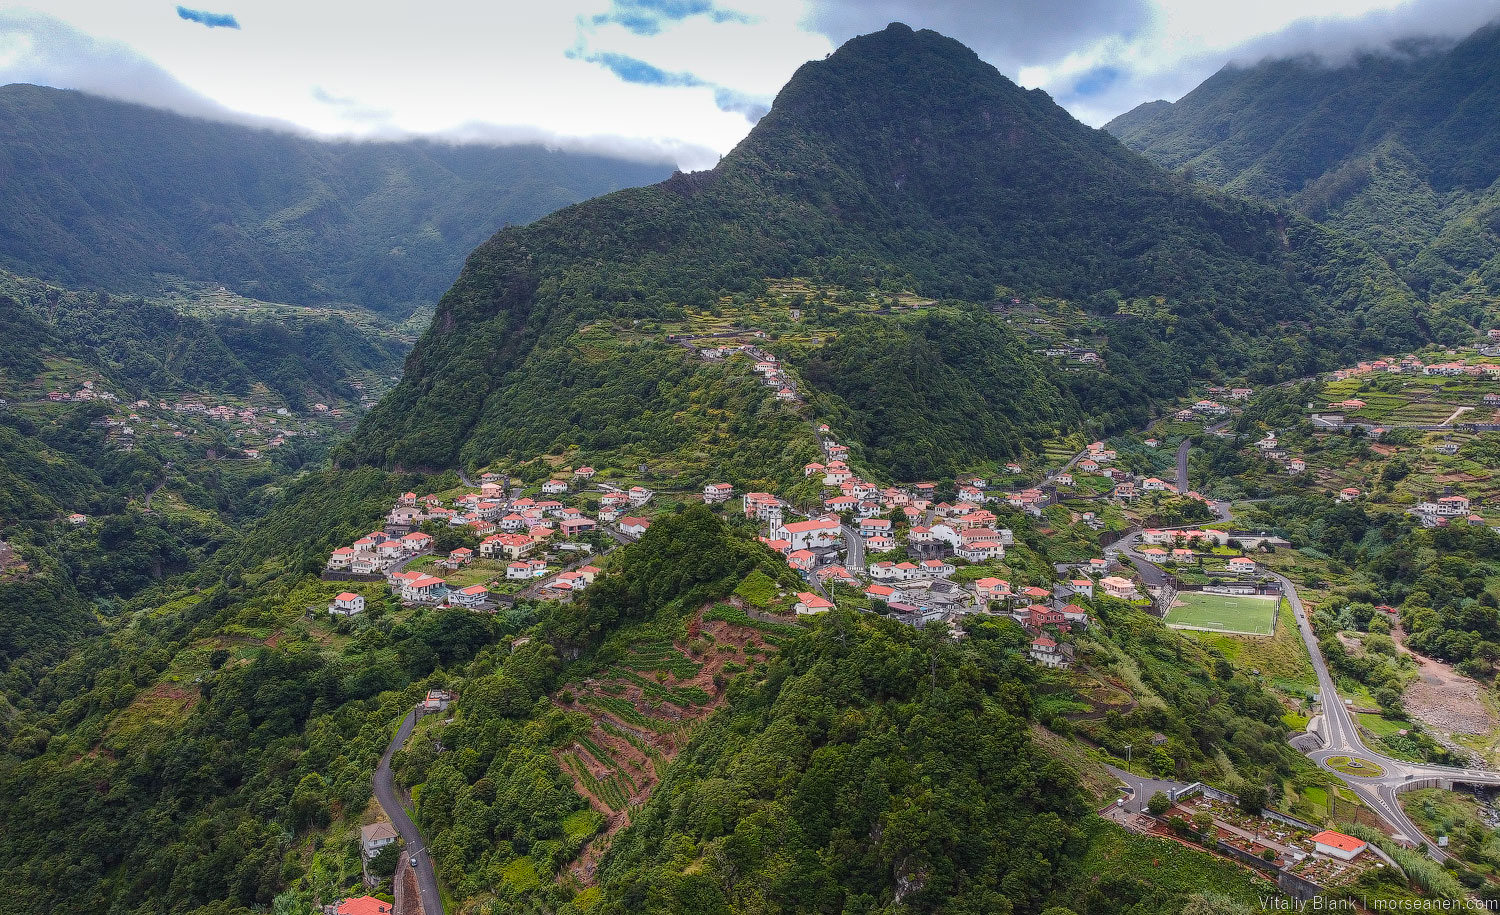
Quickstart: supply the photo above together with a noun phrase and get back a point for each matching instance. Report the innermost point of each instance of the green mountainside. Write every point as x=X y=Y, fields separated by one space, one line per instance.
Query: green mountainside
x=162 y=489
x=99 y=193
x=1400 y=149
x=901 y=162
x=191 y=732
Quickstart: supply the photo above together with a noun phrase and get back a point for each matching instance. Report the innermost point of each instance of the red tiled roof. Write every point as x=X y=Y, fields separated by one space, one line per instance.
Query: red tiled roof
x=1338 y=840
x=364 y=905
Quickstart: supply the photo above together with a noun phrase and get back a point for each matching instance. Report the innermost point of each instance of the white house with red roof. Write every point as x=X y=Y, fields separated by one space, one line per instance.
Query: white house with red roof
x=893 y=571
x=802 y=560
x=416 y=542
x=341 y=559
x=1453 y=505
x=836 y=473
x=424 y=589
x=868 y=527
x=461 y=556
x=521 y=570
x=762 y=506
x=815 y=533
x=347 y=603
x=584 y=473
x=640 y=495
x=717 y=492
x=509 y=546
x=840 y=504
x=1337 y=845
x=935 y=568
x=634 y=527
x=472 y=596
x=1075 y=614
x=1242 y=565
x=979 y=544
x=1046 y=652
x=809 y=603
x=837 y=575
x=553 y=487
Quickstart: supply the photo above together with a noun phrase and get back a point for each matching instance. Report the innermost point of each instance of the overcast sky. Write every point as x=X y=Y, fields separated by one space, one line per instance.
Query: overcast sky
x=680 y=78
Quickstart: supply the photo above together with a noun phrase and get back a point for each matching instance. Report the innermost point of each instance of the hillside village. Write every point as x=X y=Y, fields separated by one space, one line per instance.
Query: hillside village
x=900 y=550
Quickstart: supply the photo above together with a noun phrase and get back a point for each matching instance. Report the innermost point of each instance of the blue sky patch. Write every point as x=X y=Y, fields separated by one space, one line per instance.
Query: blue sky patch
x=211 y=20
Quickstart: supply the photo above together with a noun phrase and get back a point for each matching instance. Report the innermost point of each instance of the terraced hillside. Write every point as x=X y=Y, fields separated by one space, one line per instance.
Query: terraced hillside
x=643 y=708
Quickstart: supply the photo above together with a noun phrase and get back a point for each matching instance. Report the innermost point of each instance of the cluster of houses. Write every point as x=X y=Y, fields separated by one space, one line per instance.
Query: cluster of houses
x=1411 y=365
x=1271 y=449
x=86 y=392
x=1443 y=511
x=512 y=530
x=774 y=376
x=920 y=589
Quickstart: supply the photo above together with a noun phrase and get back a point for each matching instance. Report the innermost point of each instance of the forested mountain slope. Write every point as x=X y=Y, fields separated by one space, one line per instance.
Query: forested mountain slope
x=901 y=161
x=104 y=193
x=162 y=489
x=1399 y=148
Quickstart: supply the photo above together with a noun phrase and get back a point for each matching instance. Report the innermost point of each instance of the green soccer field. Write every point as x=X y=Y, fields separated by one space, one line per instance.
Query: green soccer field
x=1223 y=612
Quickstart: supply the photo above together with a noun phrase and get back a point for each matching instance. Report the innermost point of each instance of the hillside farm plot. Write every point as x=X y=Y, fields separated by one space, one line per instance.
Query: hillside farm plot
x=1243 y=615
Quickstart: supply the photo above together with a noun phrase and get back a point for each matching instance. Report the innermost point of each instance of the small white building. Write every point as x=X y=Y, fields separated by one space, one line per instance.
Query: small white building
x=374 y=837
x=809 y=603
x=1337 y=845
x=1047 y=652
x=347 y=604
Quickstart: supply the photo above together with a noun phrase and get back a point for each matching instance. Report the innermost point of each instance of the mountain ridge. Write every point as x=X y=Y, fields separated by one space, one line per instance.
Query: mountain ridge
x=902 y=161
x=118 y=196
x=1394 y=148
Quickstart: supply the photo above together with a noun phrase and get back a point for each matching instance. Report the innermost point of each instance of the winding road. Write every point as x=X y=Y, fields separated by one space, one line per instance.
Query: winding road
x=1336 y=728
x=390 y=801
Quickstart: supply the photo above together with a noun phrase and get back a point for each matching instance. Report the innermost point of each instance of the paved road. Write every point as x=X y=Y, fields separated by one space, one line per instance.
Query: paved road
x=1340 y=735
x=854 y=545
x=1052 y=477
x=1337 y=728
x=390 y=801
x=1142 y=788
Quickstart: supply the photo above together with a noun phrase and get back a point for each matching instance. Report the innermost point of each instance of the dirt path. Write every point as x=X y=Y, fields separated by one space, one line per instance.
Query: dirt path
x=1456 y=414
x=1443 y=698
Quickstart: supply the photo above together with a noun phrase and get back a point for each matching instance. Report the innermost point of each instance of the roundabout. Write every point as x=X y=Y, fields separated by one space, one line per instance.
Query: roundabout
x=1355 y=766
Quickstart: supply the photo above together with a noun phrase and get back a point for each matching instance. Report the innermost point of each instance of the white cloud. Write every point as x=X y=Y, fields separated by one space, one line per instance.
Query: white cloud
x=513 y=70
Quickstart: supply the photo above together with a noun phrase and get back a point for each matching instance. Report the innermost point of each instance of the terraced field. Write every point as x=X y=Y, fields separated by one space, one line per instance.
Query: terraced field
x=643 y=707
